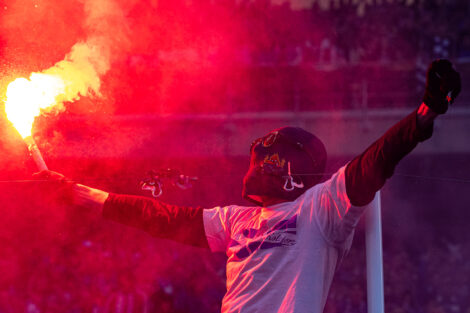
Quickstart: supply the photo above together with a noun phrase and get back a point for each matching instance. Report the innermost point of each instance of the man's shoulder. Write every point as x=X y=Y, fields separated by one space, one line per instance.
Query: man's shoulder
x=234 y=209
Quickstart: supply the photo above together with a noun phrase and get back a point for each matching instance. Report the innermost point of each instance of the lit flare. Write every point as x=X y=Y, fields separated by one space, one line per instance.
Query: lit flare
x=25 y=99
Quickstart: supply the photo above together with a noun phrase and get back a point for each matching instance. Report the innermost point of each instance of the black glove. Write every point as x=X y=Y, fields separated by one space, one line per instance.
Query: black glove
x=442 y=85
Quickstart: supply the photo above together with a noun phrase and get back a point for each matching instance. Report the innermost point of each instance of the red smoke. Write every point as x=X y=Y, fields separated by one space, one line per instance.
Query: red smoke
x=167 y=56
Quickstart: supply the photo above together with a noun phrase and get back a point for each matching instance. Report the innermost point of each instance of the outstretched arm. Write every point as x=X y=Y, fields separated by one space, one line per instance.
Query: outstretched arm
x=159 y=219
x=178 y=223
x=367 y=173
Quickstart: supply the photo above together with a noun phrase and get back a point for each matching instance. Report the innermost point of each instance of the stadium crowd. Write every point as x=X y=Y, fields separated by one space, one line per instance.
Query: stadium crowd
x=304 y=60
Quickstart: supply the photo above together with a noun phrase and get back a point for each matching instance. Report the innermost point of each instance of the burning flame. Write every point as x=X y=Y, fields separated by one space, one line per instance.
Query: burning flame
x=25 y=99
x=77 y=75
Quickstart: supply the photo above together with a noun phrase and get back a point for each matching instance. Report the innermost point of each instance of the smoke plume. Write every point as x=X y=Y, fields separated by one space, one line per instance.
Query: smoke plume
x=88 y=60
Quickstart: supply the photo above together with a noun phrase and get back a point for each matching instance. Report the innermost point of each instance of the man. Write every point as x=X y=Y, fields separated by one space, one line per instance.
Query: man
x=283 y=252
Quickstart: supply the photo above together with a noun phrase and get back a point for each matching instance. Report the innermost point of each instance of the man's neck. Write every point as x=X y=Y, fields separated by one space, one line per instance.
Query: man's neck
x=268 y=201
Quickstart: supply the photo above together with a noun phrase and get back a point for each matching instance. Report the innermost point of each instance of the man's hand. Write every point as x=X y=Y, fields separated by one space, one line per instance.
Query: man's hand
x=442 y=86
x=55 y=186
x=69 y=192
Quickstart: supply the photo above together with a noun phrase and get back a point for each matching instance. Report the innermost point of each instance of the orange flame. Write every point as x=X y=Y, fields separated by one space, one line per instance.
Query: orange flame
x=77 y=75
x=25 y=99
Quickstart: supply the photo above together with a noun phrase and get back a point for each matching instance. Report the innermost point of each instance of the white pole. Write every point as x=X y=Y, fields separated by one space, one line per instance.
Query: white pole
x=375 y=281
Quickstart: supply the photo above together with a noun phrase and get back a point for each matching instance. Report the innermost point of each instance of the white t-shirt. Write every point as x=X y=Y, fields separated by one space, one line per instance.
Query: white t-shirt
x=282 y=258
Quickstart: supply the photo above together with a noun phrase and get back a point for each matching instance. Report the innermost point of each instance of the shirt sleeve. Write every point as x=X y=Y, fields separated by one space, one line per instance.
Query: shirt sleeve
x=334 y=214
x=159 y=219
x=217 y=225
x=367 y=173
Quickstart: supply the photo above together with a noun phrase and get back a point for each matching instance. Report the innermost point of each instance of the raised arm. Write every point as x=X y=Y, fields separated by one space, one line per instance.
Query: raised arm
x=367 y=173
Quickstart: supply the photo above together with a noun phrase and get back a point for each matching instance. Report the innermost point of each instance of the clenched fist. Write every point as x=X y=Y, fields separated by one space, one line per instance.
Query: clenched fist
x=442 y=85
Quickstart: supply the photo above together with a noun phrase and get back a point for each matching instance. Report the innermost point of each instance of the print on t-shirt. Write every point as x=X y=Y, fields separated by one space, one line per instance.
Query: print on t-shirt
x=280 y=235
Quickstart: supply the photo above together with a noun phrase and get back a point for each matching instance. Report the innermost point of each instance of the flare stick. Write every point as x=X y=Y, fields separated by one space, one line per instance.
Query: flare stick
x=35 y=153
